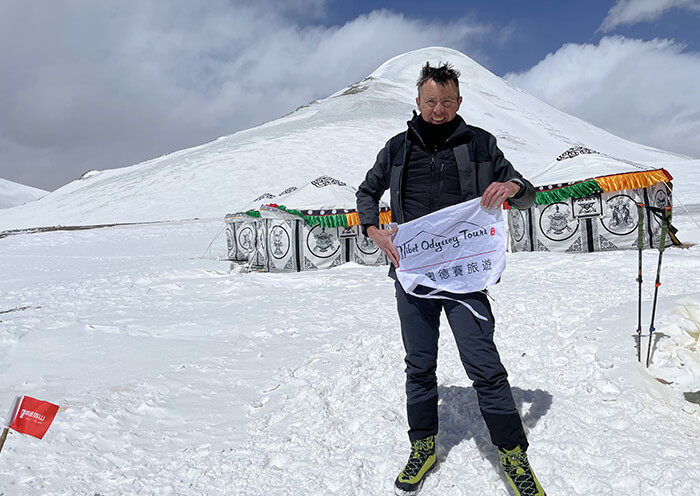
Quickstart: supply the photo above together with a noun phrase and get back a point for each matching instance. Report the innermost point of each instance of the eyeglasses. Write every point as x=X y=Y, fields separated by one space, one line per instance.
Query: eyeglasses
x=445 y=103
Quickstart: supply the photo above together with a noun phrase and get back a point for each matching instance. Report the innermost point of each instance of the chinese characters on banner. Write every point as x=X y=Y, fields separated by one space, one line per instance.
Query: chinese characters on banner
x=459 y=249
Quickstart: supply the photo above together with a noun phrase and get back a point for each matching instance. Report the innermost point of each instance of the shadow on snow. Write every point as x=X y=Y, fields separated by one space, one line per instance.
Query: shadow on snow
x=461 y=420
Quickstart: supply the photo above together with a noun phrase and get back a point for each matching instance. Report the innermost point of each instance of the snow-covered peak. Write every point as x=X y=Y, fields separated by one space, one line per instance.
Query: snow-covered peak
x=338 y=136
x=403 y=69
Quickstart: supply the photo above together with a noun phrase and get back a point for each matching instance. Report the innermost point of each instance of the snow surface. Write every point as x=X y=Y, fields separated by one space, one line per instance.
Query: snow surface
x=178 y=373
x=13 y=194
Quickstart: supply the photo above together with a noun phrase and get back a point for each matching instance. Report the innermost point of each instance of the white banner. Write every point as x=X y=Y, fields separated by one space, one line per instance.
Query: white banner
x=459 y=249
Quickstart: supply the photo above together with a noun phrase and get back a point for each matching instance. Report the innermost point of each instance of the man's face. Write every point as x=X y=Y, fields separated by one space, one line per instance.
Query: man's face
x=438 y=103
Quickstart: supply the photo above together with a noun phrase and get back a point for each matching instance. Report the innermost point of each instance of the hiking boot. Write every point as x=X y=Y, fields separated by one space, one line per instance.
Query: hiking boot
x=519 y=472
x=421 y=461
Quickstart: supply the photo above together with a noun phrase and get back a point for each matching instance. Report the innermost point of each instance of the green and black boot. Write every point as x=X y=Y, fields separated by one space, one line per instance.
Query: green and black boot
x=519 y=472
x=420 y=463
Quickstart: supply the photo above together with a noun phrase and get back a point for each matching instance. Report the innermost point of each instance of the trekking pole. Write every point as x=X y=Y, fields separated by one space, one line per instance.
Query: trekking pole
x=640 y=246
x=662 y=246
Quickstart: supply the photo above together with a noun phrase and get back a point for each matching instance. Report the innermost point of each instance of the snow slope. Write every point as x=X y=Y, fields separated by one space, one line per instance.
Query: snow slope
x=177 y=373
x=13 y=194
x=339 y=136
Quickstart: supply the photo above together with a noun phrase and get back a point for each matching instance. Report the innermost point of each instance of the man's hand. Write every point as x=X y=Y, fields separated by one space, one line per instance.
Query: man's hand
x=382 y=238
x=497 y=193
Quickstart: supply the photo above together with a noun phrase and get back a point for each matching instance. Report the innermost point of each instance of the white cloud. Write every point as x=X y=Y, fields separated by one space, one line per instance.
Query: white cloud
x=96 y=85
x=645 y=91
x=626 y=12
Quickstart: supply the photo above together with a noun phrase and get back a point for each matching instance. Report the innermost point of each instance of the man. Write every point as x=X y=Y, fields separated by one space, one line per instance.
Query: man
x=437 y=162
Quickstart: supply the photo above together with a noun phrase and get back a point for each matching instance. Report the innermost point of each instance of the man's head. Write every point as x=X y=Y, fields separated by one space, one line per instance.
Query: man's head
x=438 y=93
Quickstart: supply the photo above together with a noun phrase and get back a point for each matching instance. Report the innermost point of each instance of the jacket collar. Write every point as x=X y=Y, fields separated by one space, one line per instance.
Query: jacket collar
x=462 y=134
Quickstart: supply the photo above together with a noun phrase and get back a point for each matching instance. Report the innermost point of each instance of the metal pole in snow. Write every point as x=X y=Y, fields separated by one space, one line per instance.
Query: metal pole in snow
x=662 y=246
x=640 y=246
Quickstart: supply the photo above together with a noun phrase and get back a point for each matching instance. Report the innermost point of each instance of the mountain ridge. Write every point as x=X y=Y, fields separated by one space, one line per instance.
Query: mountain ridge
x=337 y=136
x=13 y=194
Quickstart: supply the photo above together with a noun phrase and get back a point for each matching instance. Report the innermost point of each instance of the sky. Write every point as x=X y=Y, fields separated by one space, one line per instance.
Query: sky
x=98 y=85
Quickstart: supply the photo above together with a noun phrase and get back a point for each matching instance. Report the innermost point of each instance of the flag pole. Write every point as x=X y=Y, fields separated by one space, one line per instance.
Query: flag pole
x=3 y=437
x=8 y=421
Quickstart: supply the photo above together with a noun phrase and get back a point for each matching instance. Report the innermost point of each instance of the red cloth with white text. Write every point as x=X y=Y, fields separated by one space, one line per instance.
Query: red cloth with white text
x=33 y=417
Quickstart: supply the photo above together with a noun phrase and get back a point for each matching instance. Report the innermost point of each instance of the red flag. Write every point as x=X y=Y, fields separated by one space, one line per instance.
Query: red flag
x=33 y=417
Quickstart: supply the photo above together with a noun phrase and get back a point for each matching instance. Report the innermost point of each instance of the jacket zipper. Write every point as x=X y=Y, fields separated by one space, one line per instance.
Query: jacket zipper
x=432 y=198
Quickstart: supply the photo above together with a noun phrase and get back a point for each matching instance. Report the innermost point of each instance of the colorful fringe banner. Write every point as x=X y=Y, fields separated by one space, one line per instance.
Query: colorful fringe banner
x=333 y=220
x=249 y=213
x=354 y=218
x=603 y=184
x=633 y=180
x=577 y=190
x=385 y=217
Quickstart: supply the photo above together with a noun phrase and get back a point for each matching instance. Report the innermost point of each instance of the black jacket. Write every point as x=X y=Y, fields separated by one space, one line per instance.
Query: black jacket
x=478 y=159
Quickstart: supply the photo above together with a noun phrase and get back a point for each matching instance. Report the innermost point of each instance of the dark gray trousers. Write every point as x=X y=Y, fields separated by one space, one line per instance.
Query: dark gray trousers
x=420 y=321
